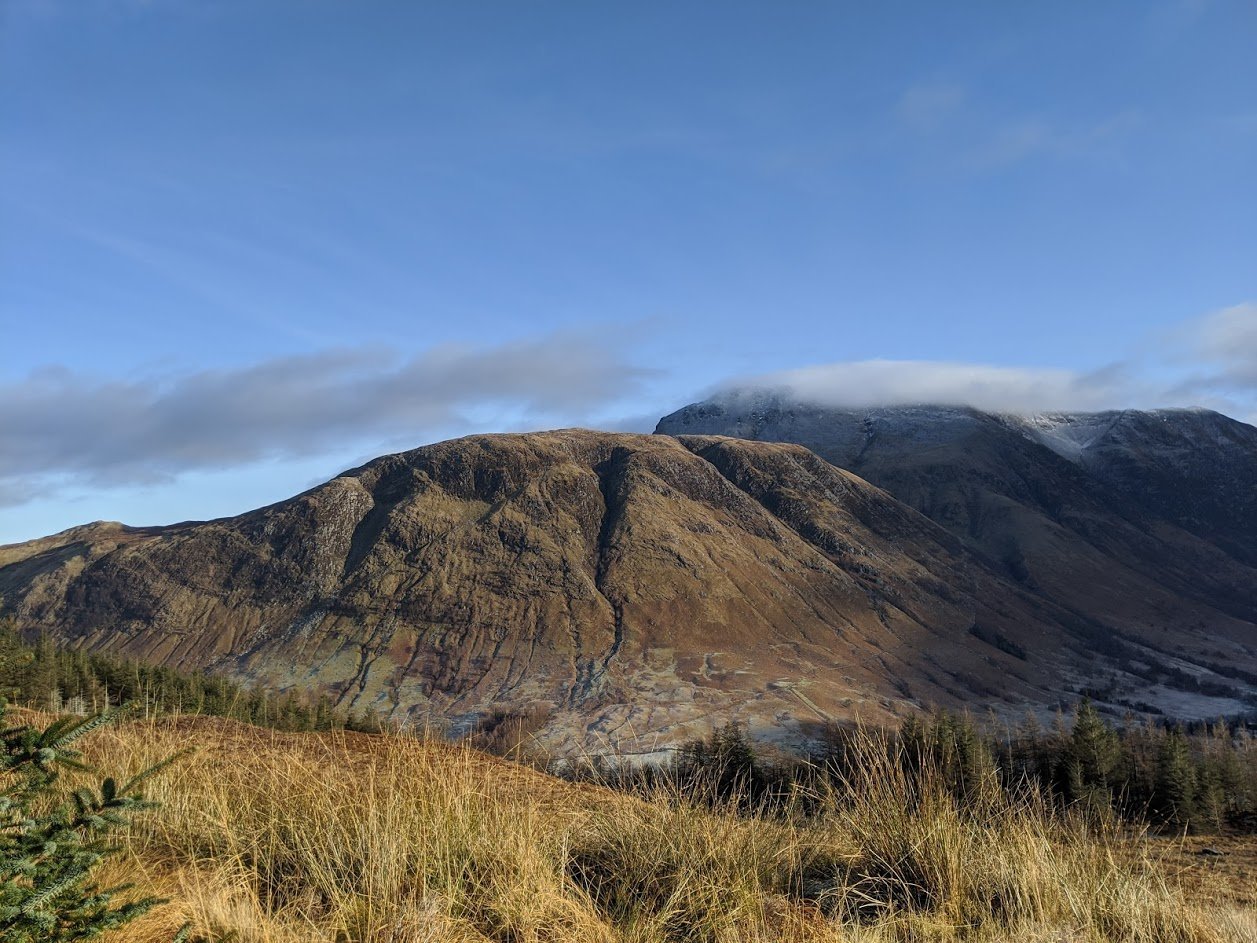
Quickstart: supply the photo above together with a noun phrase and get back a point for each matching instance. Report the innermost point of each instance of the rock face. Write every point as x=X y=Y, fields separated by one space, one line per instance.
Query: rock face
x=1142 y=524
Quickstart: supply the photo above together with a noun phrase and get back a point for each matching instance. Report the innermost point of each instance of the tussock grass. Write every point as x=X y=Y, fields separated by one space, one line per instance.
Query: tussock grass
x=275 y=838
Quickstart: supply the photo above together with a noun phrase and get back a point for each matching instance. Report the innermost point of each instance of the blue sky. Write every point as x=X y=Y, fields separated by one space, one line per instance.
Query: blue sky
x=244 y=245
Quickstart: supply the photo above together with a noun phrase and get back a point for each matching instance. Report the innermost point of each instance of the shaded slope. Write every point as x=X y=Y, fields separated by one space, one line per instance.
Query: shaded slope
x=1193 y=467
x=1087 y=531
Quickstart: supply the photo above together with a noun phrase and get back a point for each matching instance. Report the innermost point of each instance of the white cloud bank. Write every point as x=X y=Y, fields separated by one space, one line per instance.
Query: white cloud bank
x=1210 y=362
x=865 y=383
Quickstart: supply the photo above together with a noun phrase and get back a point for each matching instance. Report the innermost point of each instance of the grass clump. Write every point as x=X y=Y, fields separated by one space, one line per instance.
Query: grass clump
x=348 y=838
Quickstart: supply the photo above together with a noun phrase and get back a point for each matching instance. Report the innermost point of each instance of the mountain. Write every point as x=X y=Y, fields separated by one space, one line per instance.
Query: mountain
x=629 y=591
x=1141 y=524
x=1193 y=467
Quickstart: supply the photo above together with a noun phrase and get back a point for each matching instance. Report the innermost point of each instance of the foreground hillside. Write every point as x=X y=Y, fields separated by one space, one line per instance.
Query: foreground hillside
x=625 y=590
x=265 y=837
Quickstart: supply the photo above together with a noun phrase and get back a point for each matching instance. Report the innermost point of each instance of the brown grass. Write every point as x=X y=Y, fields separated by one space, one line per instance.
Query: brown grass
x=278 y=838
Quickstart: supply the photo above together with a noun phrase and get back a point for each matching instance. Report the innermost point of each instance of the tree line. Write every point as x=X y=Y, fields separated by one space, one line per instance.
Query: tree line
x=44 y=675
x=1200 y=776
x=1172 y=776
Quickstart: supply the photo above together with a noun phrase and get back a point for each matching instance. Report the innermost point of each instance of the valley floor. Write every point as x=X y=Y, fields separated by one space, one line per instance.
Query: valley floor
x=1217 y=868
x=266 y=837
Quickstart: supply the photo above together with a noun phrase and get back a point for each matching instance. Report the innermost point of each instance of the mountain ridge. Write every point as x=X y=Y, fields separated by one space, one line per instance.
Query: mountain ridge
x=632 y=590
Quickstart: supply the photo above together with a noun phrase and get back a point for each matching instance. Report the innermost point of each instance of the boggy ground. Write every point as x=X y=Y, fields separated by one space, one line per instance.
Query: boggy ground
x=265 y=837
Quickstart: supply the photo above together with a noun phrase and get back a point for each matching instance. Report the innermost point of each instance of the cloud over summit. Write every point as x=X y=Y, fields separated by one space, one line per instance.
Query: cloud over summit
x=868 y=383
x=1210 y=361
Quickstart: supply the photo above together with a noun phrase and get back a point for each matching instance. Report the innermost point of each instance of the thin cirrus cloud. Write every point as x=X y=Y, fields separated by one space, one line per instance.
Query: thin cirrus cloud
x=1033 y=137
x=985 y=140
x=58 y=427
x=927 y=106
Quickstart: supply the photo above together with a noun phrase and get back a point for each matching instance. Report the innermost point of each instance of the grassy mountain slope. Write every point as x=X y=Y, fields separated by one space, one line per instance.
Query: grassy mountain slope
x=633 y=589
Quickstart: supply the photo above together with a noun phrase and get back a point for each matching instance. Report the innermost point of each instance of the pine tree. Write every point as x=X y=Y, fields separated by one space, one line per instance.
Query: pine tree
x=43 y=682
x=52 y=841
x=15 y=658
x=1175 y=798
x=1091 y=756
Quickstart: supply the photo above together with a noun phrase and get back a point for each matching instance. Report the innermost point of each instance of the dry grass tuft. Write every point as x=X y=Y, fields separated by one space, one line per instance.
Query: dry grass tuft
x=277 y=838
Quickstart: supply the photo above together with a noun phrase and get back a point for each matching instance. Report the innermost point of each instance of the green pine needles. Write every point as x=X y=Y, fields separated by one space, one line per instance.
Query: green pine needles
x=53 y=838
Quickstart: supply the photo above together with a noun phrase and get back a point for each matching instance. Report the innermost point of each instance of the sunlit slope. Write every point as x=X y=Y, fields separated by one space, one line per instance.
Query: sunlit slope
x=635 y=589
x=274 y=838
x=1141 y=524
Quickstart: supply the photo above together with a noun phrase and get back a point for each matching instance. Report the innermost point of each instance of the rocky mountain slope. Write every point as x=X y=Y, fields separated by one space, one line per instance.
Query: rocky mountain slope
x=1141 y=524
x=628 y=590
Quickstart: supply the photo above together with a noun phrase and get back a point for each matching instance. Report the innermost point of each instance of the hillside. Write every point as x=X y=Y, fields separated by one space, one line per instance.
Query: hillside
x=1139 y=524
x=263 y=836
x=1193 y=467
x=626 y=591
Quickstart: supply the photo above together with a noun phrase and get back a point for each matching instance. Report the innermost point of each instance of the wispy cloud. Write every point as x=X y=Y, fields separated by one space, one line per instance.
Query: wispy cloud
x=59 y=427
x=1222 y=348
x=1027 y=138
x=62 y=430
x=981 y=138
x=927 y=106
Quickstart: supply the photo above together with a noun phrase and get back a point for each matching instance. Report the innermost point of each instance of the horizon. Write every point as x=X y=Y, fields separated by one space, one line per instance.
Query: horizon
x=248 y=246
x=544 y=431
